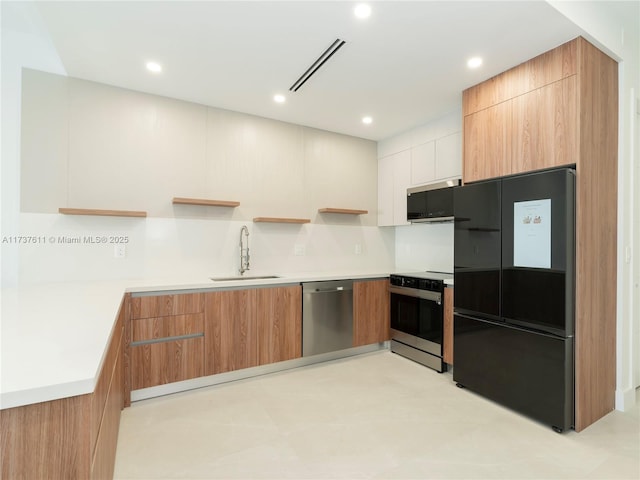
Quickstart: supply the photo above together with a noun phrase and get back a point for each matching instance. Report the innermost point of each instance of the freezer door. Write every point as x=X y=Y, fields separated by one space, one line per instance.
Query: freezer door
x=538 y=251
x=529 y=372
x=477 y=253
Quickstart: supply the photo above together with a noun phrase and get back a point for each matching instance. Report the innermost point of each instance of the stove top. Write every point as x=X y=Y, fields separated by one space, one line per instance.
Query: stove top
x=433 y=281
x=428 y=275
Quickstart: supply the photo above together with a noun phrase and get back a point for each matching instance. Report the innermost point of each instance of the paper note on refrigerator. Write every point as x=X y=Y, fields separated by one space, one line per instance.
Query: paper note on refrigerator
x=532 y=233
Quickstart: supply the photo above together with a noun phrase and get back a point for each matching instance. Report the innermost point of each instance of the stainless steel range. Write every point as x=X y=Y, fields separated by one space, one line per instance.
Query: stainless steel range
x=417 y=317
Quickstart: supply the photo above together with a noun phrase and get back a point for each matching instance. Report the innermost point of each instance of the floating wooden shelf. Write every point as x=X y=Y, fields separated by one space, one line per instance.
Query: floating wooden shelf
x=108 y=213
x=204 y=202
x=281 y=220
x=347 y=211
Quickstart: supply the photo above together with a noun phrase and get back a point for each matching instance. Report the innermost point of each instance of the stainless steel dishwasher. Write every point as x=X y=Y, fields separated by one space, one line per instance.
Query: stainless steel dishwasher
x=327 y=316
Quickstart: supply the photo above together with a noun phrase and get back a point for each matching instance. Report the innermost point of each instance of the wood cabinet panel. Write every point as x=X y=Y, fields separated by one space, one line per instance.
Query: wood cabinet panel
x=447 y=341
x=104 y=454
x=487 y=143
x=165 y=362
x=47 y=440
x=596 y=234
x=170 y=326
x=279 y=319
x=230 y=331
x=108 y=375
x=544 y=127
x=370 y=312
x=163 y=305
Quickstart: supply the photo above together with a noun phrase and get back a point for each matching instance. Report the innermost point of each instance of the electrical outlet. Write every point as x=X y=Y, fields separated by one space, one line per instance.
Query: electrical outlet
x=358 y=249
x=120 y=250
x=298 y=250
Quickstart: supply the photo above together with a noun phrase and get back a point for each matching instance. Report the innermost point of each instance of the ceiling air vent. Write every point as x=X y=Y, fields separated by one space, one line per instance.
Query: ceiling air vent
x=322 y=59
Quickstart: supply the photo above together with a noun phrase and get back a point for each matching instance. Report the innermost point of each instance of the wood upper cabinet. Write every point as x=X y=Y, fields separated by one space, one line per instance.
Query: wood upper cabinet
x=370 y=312
x=524 y=119
x=447 y=341
x=230 y=331
x=487 y=143
x=279 y=317
x=542 y=70
x=544 y=127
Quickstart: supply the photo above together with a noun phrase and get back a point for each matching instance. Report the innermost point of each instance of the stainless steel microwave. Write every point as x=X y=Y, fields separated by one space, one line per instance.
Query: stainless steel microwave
x=431 y=203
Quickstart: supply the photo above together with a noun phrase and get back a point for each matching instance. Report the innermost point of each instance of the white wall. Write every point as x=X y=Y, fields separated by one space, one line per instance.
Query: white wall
x=615 y=27
x=426 y=246
x=200 y=242
x=24 y=43
x=179 y=250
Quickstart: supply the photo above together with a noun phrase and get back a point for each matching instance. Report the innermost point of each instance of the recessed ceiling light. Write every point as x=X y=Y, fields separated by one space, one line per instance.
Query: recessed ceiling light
x=362 y=10
x=154 y=67
x=474 y=62
x=279 y=98
x=367 y=120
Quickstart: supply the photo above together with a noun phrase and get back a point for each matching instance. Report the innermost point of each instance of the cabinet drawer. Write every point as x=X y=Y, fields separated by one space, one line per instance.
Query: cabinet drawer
x=164 y=305
x=165 y=362
x=146 y=329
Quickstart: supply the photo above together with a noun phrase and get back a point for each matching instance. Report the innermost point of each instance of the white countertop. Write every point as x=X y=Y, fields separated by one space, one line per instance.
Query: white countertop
x=54 y=336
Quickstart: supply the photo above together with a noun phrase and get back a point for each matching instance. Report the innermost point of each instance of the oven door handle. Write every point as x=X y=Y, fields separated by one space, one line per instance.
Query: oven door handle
x=413 y=292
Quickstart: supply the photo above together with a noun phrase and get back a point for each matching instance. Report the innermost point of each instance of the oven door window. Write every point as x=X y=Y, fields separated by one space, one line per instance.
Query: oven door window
x=417 y=317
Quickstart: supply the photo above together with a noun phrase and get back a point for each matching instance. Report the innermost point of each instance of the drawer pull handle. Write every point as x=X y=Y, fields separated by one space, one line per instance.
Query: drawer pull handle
x=166 y=339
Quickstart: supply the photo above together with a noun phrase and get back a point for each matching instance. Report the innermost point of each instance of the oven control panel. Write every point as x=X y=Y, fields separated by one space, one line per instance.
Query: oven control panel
x=417 y=283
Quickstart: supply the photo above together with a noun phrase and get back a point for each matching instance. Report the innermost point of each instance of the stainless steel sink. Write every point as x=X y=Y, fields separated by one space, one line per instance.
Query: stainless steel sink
x=233 y=279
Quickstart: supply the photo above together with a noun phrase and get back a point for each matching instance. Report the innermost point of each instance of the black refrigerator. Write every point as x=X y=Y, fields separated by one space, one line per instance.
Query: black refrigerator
x=514 y=274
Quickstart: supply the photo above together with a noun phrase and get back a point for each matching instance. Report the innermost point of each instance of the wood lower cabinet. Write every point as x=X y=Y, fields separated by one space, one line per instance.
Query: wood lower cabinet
x=177 y=337
x=166 y=362
x=166 y=339
x=247 y=328
x=279 y=318
x=71 y=438
x=230 y=331
x=447 y=333
x=152 y=306
x=370 y=312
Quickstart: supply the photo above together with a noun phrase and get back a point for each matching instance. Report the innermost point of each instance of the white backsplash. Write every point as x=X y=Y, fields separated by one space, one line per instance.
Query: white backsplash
x=425 y=247
x=174 y=248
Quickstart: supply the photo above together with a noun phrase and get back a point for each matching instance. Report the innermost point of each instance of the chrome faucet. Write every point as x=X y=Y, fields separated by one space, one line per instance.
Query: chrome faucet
x=244 y=252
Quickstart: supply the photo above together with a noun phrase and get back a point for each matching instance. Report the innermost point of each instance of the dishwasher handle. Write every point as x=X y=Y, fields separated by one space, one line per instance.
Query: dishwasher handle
x=334 y=289
x=327 y=287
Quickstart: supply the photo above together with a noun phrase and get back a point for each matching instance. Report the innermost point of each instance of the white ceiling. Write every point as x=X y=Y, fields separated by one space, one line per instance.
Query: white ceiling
x=404 y=66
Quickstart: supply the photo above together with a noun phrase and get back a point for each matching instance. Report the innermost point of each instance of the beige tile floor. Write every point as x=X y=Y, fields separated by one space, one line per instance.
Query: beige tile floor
x=376 y=416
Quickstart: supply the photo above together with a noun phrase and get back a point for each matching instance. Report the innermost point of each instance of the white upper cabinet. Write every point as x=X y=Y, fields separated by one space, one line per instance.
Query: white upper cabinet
x=385 y=191
x=394 y=177
x=94 y=146
x=448 y=157
x=423 y=163
x=427 y=154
